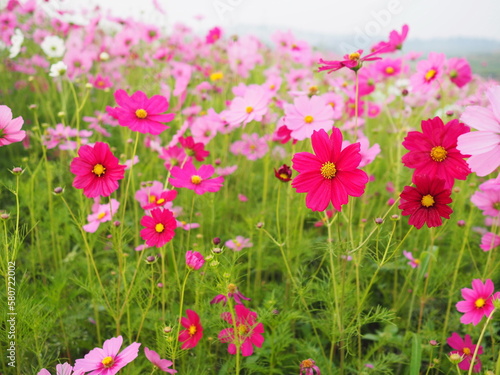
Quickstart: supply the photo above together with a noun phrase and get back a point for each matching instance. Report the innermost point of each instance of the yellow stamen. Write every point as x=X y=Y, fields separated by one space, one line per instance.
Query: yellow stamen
x=438 y=153
x=427 y=200
x=308 y=119
x=249 y=110
x=152 y=198
x=430 y=75
x=328 y=170
x=141 y=113
x=108 y=362
x=216 y=76
x=160 y=201
x=332 y=104
x=196 y=179
x=354 y=56
x=307 y=363
x=313 y=89
x=389 y=70
x=99 y=170
x=242 y=329
x=480 y=302
x=159 y=228
x=231 y=288
x=466 y=351
x=192 y=330
x=101 y=215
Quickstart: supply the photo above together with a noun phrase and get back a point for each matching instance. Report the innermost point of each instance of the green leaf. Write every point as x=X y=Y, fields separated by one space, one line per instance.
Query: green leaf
x=416 y=355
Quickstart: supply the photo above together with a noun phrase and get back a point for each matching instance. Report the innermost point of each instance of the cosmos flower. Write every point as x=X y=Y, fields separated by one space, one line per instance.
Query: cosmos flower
x=162 y=364
x=478 y=301
x=465 y=349
x=196 y=179
x=64 y=369
x=159 y=227
x=331 y=174
x=232 y=292
x=10 y=129
x=353 y=61
x=193 y=332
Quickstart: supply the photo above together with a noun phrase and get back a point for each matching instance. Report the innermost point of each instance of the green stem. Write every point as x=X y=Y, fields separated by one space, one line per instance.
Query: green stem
x=479 y=342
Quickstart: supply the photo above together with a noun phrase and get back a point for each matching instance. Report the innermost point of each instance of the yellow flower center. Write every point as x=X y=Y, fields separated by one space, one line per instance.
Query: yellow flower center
x=159 y=228
x=99 y=170
x=427 y=200
x=231 y=288
x=466 y=351
x=307 y=363
x=192 y=330
x=308 y=119
x=416 y=261
x=242 y=329
x=216 y=76
x=152 y=198
x=196 y=179
x=284 y=176
x=438 y=153
x=389 y=70
x=354 y=56
x=160 y=201
x=430 y=75
x=480 y=302
x=141 y=113
x=332 y=104
x=328 y=170
x=249 y=110
x=101 y=215
x=313 y=89
x=108 y=362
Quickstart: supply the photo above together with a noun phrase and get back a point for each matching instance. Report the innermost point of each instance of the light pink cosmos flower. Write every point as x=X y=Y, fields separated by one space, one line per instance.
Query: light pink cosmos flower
x=100 y=214
x=141 y=114
x=10 y=129
x=484 y=144
x=64 y=369
x=414 y=263
x=429 y=72
x=487 y=199
x=162 y=364
x=238 y=243
x=196 y=179
x=307 y=115
x=478 y=301
x=60 y=137
x=251 y=107
x=368 y=154
x=107 y=361
x=489 y=241
x=251 y=145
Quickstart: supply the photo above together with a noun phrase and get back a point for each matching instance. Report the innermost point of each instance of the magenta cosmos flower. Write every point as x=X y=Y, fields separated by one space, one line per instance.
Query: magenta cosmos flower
x=107 y=361
x=159 y=227
x=198 y=180
x=478 y=301
x=308 y=367
x=194 y=260
x=97 y=170
x=434 y=151
x=484 y=144
x=353 y=61
x=162 y=364
x=10 y=129
x=331 y=174
x=247 y=333
x=232 y=292
x=465 y=349
x=426 y=203
x=307 y=115
x=459 y=71
x=141 y=114
x=193 y=332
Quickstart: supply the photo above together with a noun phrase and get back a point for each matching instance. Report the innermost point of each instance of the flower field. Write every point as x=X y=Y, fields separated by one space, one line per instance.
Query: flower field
x=213 y=204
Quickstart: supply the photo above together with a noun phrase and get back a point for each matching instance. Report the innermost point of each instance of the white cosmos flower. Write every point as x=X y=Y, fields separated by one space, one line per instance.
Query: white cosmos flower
x=58 y=69
x=53 y=46
x=17 y=41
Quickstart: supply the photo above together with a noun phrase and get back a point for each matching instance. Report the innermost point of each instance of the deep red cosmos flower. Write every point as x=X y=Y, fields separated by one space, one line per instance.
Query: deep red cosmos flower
x=426 y=203
x=97 y=170
x=196 y=150
x=159 y=227
x=193 y=332
x=141 y=114
x=332 y=174
x=247 y=333
x=434 y=151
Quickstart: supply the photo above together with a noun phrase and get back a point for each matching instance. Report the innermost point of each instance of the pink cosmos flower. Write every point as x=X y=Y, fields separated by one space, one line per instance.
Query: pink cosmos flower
x=193 y=149
x=484 y=144
x=459 y=71
x=368 y=154
x=489 y=241
x=251 y=145
x=213 y=35
x=353 y=61
x=251 y=107
x=101 y=82
x=100 y=214
x=60 y=137
x=173 y=156
x=465 y=348
x=429 y=72
x=434 y=151
x=247 y=333
x=97 y=170
x=395 y=41
x=389 y=67
x=10 y=129
x=161 y=199
x=331 y=174
x=162 y=364
x=198 y=180
x=194 y=260
x=487 y=199
x=159 y=227
x=478 y=301
x=238 y=243
x=414 y=263
x=193 y=332
x=308 y=367
x=64 y=369
x=107 y=361
x=232 y=292
x=140 y=113
x=149 y=192
x=307 y=115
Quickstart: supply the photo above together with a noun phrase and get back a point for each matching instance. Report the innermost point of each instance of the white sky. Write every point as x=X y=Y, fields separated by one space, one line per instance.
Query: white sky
x=426 y=18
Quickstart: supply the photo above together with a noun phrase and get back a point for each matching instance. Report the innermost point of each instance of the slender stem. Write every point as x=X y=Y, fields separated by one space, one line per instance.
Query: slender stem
x=479 y=342
x=181 y=306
